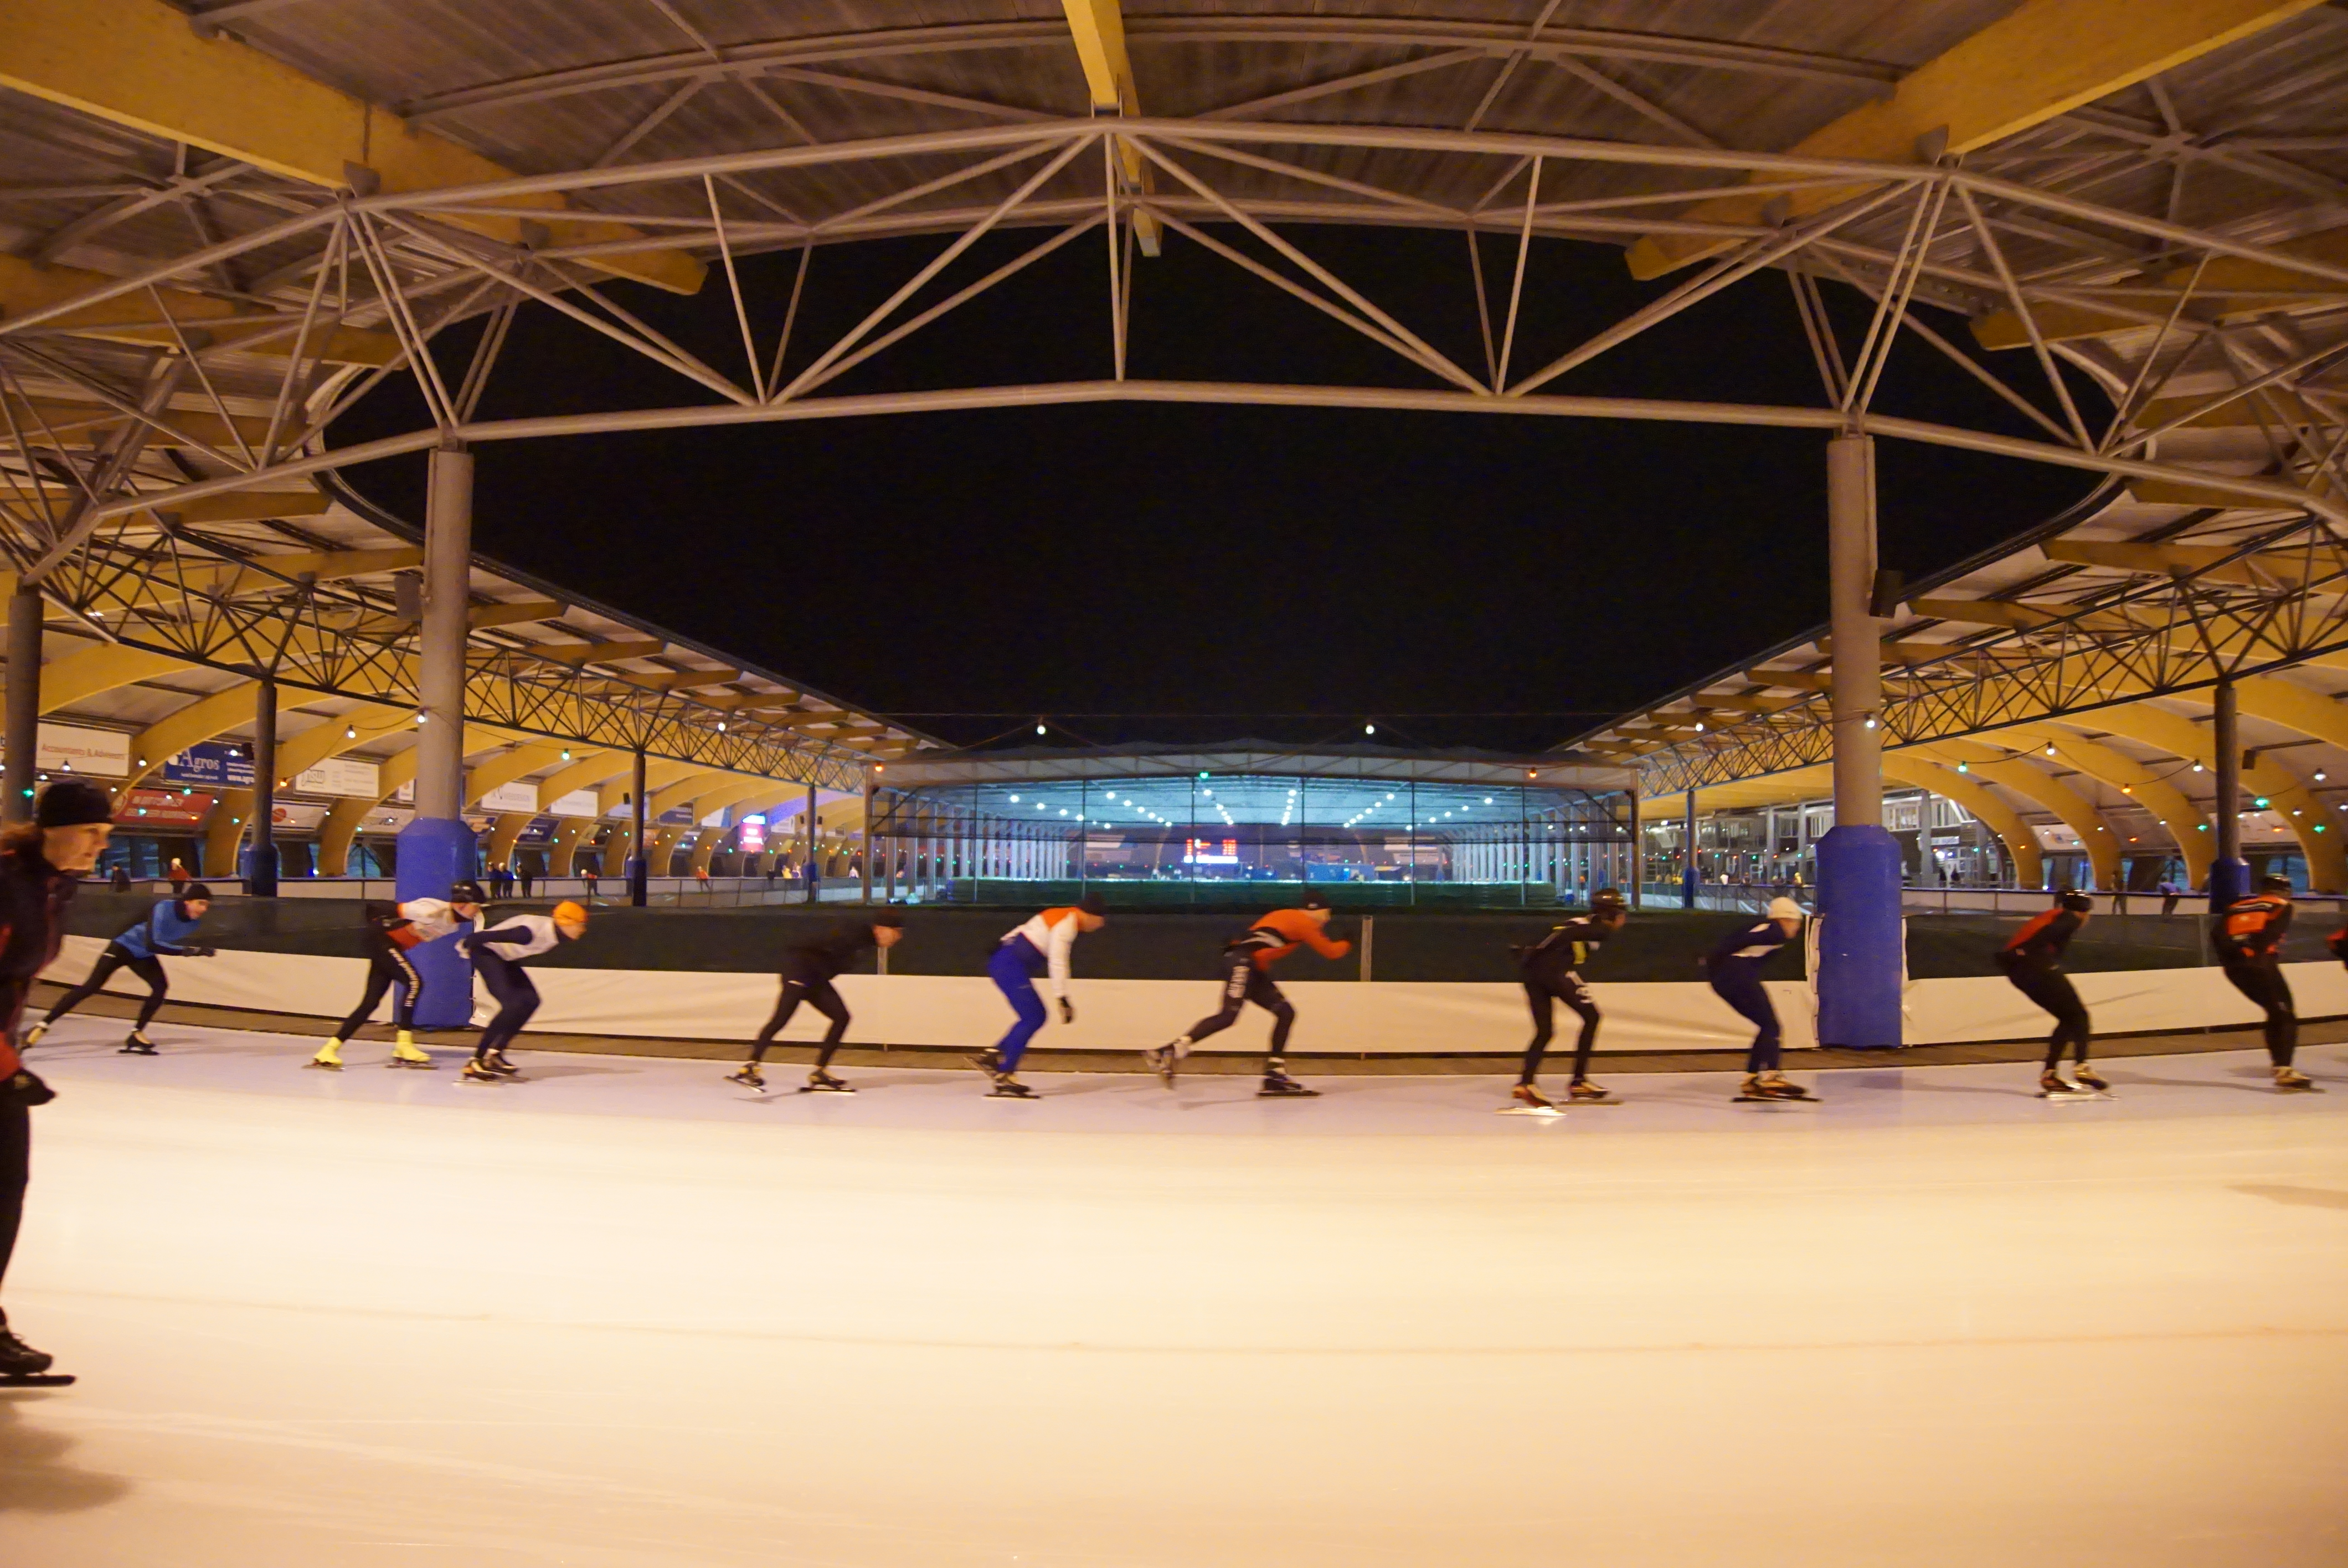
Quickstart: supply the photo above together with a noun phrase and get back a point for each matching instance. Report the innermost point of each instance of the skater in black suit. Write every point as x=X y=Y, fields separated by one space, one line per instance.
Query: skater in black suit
x=808 y=970
x=1550 y=969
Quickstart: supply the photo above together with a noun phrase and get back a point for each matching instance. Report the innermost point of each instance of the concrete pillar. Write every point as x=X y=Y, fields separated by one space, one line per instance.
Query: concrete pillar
x=1860 y=942
x=1689 y=876
x=2229 y=874
x=23 y=736
x=436 y=848
x=865 y=860
x=639 y=870
x=262 y=881
x=440 y=654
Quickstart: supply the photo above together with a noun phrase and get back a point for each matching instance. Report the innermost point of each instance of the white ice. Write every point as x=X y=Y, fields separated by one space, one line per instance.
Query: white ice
x=624 y=1314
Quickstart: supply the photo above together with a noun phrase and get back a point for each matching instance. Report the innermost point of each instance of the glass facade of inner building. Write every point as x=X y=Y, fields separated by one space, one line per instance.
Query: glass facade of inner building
x=1199 y=836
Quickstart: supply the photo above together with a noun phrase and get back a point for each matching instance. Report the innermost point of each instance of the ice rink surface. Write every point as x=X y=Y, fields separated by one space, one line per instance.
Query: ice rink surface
x=624 y=1315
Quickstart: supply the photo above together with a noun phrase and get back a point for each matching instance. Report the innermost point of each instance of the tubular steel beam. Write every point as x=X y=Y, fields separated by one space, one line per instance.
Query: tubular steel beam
x=2042 y=60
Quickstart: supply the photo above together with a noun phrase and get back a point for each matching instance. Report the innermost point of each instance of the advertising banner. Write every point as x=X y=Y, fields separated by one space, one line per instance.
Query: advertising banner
x=510 y=797
x=144 y=808
x=69 y=748
x=352 y=776
x=210 y=764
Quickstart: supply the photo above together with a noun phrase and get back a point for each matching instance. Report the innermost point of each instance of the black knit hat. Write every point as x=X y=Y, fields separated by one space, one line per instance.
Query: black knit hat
x=2077 y=903
x=70 y=803
x=2266 y=884
x=194 y=890
x=1312 y=901
x=467 y=892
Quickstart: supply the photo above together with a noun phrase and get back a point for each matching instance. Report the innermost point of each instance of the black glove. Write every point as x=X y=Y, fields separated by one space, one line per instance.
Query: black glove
x=1068 y=1010
x=25 y=1090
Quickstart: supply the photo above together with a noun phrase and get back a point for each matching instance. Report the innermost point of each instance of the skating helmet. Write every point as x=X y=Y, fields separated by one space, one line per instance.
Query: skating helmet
x=2274 y=883
x=570 y=912
x=2078 y=903
x=1786 y=909
x=1606 y=901
x=1312 y=901
x=192 y=893
x=467 y=892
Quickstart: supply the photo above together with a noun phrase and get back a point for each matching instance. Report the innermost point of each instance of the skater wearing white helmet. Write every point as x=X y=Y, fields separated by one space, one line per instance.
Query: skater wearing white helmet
x=392 y=930
x=1734 y=967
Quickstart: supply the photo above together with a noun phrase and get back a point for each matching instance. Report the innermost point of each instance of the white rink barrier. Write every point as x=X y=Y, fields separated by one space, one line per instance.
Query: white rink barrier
x=1375 y=1018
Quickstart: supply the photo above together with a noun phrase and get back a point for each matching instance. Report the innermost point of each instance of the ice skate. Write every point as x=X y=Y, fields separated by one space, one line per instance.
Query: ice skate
x=1763 y=1089
x=2052 y=1087
x=479 y=1071
x=1278 y=1085
x=989 y=1062
x=1009 y=1088
x=495 y=1062
x=20 y=1363
x=2089 y=1077
x=33 y=1035
x=137 y=1045
x=749 y=1077
x=821 y=1082
x=1528 y=1101
x=1165 y=1060
x=405 y=1054
x=1581 y=1092
x=2291 y=1081
x=330 y=1057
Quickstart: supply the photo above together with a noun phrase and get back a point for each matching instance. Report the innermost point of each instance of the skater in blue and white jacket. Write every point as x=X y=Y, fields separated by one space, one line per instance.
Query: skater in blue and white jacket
x=164 y=932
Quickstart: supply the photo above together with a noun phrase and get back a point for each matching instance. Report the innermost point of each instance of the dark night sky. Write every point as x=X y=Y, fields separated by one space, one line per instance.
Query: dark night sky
x=1273 y=572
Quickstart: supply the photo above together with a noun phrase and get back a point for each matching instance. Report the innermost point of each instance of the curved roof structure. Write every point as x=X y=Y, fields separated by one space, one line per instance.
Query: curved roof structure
x=228 y=224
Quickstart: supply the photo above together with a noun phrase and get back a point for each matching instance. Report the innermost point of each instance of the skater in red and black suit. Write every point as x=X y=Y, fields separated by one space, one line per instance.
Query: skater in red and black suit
x=808 y=970
x=2248 y=934
x=1248 y=958
x=2032 y=960
x=40 y=861
x=1552 y=972
x=392 y=930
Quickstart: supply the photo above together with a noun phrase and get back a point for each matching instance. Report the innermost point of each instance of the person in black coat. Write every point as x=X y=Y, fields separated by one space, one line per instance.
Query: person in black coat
x=40 y=864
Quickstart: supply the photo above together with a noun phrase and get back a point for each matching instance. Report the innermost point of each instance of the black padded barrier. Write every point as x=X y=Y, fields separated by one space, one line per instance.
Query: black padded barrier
x=1141 y=945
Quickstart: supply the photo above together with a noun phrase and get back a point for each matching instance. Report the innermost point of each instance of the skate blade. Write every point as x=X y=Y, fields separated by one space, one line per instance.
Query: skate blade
x=1546 y=1112
x=2058 y=1096
x=997 y=1094
x=2299 y=1089
x=1774 y=1099
x=822 y=1088
x=1288 y=1095
x=36 y=1379
x=1590 y=1104
x=417 y=1066
x=324 y=1066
